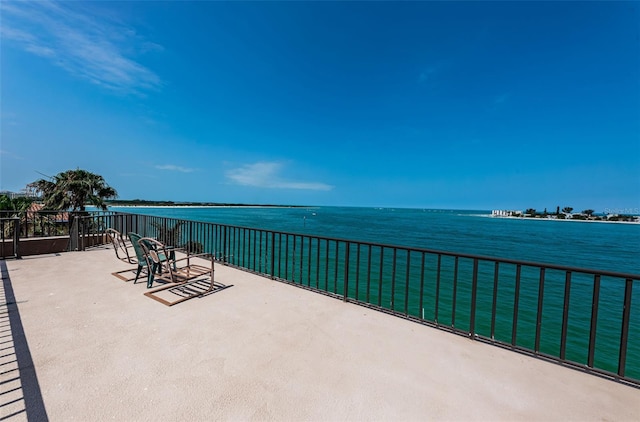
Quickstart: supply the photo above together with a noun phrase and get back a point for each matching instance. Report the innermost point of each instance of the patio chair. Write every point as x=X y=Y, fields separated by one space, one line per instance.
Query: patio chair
x=143 y=262
x=119 y=246
x=185 y=279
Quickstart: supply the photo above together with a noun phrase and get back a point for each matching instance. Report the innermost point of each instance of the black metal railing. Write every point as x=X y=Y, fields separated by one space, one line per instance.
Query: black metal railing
x=583 y=318
x=40 y=223
x=17 y=226
x=9 y=237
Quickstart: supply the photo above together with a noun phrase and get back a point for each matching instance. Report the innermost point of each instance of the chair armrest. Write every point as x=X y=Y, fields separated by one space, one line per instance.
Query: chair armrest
x=206 y=256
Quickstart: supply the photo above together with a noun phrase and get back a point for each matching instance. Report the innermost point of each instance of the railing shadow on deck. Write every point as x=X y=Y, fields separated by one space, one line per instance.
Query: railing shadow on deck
x=21 y=393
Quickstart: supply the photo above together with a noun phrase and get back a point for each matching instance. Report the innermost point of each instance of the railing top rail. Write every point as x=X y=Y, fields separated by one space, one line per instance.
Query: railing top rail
x=550 y=266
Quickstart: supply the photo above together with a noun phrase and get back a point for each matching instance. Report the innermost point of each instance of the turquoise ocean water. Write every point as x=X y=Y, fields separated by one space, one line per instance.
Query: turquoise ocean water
x=594 y=245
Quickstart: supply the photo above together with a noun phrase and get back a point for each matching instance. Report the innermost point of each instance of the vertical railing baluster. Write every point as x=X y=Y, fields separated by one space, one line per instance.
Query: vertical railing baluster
x=357 y=270
x=317 y=262
x=474 y=294
x=326 y=266
x=421 y=300
x=273 y=255
x=309 y=261
x=346 y=272
x=335 y=275
x=624 y=332
x=279 y=255
x=246 y=247
x=257 y=251
x=406 y=284
x=254 y=267
x=393 y=278
x=437 y=302
x=220 y=241
x=594 y=320
x=455 y=292
x=380 y=278
x=240 y=248
x=224 y=244
x=516 y=301
x=536 y=347
x=368 y=298
x=293 y=258
x=16 y=239
x=494 y=299
x=301 y=259
x=286 y=256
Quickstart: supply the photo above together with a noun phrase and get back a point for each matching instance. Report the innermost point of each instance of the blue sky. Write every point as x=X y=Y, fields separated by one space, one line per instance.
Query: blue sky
x=462 y=105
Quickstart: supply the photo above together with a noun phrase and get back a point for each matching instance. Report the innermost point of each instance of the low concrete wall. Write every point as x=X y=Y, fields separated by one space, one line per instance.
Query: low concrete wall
x=46 y=245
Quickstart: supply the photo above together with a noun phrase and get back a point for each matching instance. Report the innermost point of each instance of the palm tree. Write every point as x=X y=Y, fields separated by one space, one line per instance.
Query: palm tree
x=73 y=189
x=14 y=207
x=589 y=212
x=567 y=210
x=18 y=204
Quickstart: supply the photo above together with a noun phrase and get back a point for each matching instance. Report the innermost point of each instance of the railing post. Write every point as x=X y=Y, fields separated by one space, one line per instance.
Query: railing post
x=494 y=300
x=273 y=255
x=346 y=273
x=393 y=279
x=81 y=232
x=406 y=284
x=565 y=315
x=594 y=320
x=626 y=312
x=16 y=239
x=454 y=300
x=536 y=347
x=74 y=235
x=474 y=293
x=224 y=244
x=516 y=300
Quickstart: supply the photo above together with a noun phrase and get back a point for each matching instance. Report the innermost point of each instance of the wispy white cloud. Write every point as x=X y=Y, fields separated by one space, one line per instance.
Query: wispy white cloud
x=10 y=154
x=83 y=42
x=172 y=167
x=267 y=175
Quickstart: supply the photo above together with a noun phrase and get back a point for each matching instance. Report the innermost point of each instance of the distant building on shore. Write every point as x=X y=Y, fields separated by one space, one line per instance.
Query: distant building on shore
x=25 y=193
x=506 y=213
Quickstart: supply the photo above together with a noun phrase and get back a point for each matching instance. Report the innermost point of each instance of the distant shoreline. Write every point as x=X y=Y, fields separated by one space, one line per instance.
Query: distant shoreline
x=574 y=220
x=170 y=204
x=209 y=206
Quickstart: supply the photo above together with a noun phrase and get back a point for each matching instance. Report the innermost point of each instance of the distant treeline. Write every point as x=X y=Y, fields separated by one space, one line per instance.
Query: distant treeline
x=142 y=202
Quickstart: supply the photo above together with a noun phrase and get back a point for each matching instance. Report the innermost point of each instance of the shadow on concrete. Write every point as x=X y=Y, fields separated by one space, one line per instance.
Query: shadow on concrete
x=19 y=383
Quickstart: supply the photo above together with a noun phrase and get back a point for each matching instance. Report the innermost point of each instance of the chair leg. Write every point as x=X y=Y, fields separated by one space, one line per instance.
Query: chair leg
x=138 y=273
x=151 y=276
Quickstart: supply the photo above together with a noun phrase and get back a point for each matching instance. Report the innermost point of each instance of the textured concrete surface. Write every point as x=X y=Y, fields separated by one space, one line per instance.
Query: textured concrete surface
x=261 y=350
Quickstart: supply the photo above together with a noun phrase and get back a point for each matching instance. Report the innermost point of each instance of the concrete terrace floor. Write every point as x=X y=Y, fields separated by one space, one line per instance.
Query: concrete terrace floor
x=94 y=348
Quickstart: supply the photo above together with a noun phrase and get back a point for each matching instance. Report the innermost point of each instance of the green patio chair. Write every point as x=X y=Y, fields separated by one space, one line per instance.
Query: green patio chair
x=143 y=260
x=184 y=278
